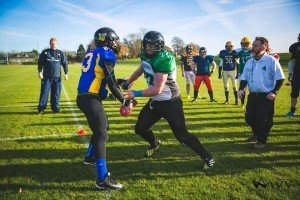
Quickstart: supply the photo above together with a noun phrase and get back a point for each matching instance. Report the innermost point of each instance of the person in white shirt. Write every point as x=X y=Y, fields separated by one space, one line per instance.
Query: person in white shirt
x=264 y=76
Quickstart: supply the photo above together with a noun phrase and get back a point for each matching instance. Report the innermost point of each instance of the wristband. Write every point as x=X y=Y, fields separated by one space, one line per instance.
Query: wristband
x=137 y=93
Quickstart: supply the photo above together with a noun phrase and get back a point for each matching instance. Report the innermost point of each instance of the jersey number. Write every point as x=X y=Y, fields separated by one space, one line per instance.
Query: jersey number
x=88 y=62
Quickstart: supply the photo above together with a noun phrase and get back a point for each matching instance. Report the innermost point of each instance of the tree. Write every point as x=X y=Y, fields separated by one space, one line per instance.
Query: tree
x=35 y=52
x=80 y=53
x=177 y=45
x=133 y=42
x=124 y=52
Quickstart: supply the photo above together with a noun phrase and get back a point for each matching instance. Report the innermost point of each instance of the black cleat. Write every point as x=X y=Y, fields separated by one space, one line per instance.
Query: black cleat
x=196 y=99
x=40 y=112
x=252 y=138
x=89 y=160
x=209 y=166
x=214 y=101
x=149 y=152
x=107 y=184
x=56 y=110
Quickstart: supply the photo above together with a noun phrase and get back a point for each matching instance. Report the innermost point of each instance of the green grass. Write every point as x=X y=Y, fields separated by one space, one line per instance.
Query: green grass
x=43 y=155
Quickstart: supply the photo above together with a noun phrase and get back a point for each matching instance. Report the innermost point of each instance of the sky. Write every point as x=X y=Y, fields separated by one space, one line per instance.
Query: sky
x=29 y=24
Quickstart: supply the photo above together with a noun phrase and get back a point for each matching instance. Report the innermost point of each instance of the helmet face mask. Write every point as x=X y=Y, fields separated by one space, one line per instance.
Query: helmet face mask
x=189 y=48
x=107 y=37
x=155 y=41
x=246 y=43
x=229 y=46
x=202 y=51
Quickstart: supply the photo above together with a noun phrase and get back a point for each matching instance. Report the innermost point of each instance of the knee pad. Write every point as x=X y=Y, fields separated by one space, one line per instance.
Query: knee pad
x=226 y=88
x=234 y=89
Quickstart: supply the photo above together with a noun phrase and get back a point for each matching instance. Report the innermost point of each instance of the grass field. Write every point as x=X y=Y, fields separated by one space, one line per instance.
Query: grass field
x=41 y=156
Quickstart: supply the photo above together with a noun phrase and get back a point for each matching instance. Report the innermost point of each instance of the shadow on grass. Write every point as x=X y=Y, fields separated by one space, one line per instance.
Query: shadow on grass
x=172 y=160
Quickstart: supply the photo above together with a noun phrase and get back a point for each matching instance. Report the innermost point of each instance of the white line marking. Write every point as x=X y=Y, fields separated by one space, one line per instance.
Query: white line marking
x=38 y=137
x=75 y=117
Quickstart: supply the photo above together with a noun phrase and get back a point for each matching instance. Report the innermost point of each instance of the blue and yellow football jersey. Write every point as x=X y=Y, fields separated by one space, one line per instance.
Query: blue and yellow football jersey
x=92 y=79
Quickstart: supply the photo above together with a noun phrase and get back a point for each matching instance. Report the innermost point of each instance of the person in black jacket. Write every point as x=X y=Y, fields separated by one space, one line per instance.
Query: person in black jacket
x=49 y=71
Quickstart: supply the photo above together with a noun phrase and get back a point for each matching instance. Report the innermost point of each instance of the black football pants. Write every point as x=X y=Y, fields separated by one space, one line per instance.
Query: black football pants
x=93 y=109
x=172 y=111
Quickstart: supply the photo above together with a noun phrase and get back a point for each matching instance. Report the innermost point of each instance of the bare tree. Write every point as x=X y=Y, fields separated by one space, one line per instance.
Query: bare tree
x=133 y=42
x=177 y=45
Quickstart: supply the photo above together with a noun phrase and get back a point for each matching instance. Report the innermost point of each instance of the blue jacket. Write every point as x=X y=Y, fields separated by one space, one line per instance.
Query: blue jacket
x=50 y=62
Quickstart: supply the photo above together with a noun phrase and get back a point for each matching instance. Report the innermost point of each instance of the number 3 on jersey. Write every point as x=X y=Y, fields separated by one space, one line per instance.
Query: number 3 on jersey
x=87 y=62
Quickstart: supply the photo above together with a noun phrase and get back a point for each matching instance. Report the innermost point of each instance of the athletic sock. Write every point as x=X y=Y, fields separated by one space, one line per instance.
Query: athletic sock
x=101 y=168
x=227 y=95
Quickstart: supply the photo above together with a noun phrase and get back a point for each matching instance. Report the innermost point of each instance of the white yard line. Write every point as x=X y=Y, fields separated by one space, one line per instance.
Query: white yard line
x=38 y=137
x=75 y=117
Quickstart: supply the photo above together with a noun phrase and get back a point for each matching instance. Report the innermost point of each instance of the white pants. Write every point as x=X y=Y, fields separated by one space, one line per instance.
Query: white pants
x=189 y=77
x=231 y=75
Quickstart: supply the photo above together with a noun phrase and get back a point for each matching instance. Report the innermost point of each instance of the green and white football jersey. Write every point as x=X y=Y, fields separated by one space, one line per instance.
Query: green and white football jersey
x=164 y=62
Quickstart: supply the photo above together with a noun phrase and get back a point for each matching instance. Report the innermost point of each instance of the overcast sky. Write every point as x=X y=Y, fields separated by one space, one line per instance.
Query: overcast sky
x=29 y=24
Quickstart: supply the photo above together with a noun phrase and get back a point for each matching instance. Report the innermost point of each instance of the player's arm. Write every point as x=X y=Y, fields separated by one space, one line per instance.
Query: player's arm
x=182 y=66
x=136 y=74
x=108 y=69
x=213 y=67
x=159 y=82
x=220 y=68
x=193 y=65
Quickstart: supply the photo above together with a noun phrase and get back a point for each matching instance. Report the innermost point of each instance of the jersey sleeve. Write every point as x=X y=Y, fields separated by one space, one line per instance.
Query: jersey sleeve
x=221 y=54
x=210 y=59
x=278 y=71
x=165 y=64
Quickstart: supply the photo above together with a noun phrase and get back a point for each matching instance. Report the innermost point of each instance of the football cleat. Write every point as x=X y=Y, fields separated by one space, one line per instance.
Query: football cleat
x=212 y=100
x=89 y=160
x=149 y=152
x=208 y=166
x=236 y=102
x=252 y=138
x=291 y=114
x=107 y=184
x=226 y=103
x=196 y=99
x=259 y=145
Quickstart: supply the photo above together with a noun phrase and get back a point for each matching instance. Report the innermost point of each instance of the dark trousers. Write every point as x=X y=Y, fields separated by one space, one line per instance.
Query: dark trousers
x=172 y=111
x=94 y=112
x=295 y=85
x=47 y=84
x=259 y=115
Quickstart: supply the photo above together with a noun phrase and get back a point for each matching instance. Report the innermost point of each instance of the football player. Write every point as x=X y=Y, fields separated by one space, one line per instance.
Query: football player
x=227 y=70
x=186 y=69
x=243 y=55
x=294 y=75
x=159 y=69
x=97 y=72
x=202 y=64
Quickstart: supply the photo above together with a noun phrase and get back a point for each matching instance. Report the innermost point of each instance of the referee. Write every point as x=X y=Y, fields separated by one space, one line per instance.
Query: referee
x=264 y=76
